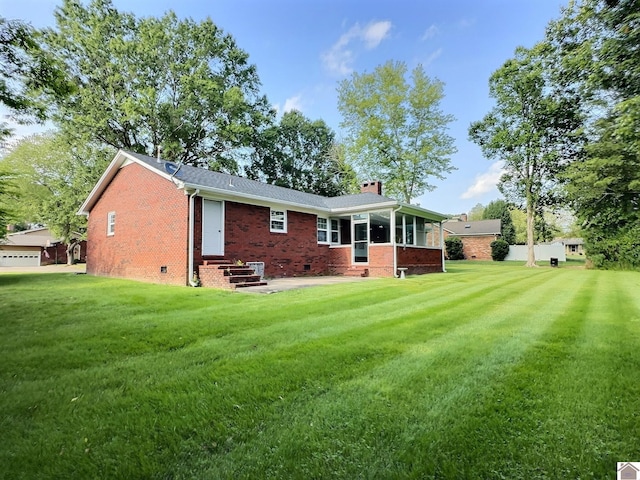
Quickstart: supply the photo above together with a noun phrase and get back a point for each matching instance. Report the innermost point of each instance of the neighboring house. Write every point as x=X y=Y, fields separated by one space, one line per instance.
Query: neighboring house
x=156 y=221
x=572 y=246
x=36 y=247
x=476 y=236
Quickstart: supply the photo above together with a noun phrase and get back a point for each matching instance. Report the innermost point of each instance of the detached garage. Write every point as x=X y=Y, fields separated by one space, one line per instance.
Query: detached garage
x=33 y=248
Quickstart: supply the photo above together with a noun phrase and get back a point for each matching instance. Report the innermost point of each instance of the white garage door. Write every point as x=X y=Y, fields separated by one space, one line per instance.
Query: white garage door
x=17 y=258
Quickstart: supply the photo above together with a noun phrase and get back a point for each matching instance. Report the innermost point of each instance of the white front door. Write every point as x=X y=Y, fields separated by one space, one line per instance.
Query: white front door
x=212 y=235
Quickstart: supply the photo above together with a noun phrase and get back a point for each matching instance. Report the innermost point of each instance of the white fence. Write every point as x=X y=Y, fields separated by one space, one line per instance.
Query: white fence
x=542 y=252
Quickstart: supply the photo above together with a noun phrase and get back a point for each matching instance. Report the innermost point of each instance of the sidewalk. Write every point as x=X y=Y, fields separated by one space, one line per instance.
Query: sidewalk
x=281 y=284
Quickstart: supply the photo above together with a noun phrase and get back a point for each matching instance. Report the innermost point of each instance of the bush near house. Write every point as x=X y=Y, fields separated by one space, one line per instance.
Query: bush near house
x=499 y=250
x=454 y=248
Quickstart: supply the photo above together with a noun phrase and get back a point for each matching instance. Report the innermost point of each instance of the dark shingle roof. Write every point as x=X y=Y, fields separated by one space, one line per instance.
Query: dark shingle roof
x=479 y=227
x=247 y=191
x=223 y=182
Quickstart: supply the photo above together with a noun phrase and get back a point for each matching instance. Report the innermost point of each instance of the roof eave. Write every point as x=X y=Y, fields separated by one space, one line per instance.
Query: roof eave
x=422 y=212
x=364 y=207
x=225 y=194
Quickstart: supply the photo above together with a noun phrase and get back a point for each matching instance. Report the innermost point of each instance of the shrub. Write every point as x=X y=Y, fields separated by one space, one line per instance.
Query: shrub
x=499 y=250
x=454 y=248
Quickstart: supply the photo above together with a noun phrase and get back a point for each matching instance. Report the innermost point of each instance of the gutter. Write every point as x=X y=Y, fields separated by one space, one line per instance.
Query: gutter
x=395 y=243
x=191 y=235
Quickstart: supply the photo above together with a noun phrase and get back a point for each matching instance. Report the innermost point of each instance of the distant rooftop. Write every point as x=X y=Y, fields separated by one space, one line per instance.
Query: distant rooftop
x=478 y=227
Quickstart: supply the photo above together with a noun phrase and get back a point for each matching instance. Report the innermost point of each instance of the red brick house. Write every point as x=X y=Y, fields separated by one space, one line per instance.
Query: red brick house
x=476 y=236
x=153 y=220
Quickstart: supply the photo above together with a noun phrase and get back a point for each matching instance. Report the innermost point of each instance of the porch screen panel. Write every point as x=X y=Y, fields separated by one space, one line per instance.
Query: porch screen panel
x=380 y=227
x=421 y=234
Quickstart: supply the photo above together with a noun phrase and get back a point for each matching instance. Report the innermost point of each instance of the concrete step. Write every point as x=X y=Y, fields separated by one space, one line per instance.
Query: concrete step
x=243 y=278
x=249 y=284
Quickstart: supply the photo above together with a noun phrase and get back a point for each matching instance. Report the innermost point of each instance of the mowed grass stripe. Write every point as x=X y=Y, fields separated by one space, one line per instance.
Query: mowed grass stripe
x=147 y=332
x=428 y=383
x=551 y=415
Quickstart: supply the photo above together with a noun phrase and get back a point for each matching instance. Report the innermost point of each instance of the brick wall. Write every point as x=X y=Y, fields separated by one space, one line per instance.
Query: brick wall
x=295 y=253
x=150 y=229
x=417 y=260
x=380 y=261
x=420 y=260
x=476 y=247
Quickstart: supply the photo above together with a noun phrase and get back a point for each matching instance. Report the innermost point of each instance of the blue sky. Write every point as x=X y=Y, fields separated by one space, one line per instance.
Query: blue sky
x=302 y=49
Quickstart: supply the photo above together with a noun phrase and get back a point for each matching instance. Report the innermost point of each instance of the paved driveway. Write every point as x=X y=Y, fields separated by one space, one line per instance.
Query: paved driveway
x=77 y=268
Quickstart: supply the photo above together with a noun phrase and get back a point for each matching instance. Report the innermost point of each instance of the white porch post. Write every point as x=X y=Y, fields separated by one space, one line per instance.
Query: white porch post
x=444 y=268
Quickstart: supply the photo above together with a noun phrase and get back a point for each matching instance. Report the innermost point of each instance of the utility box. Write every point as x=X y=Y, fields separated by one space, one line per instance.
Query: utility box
x=553 y=262
x=258 y=267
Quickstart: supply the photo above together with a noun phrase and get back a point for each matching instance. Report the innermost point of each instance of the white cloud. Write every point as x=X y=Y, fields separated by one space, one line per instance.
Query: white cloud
x=339 y=58
x=375 y=32
x=431 y=32
x=433 y=56
x=485 y=182
x=293 y=103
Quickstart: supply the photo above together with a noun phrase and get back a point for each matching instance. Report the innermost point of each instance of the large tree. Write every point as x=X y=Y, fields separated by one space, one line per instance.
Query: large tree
x=397 y=132
x=597 y=52
x=527 y=130
x=54 y=177
x=301 y=154
x=140 y=84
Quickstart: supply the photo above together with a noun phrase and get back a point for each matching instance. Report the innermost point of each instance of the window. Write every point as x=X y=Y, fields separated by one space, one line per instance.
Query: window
x=335 y=231
x=111 y=223
x=380 y=227
x=409 y=229
x=279 y=221
x=421 y=232
x=322 y=230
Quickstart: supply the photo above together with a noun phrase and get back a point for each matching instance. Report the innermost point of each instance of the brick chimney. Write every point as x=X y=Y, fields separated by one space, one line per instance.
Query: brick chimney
x=463 y=217
x=372 y=187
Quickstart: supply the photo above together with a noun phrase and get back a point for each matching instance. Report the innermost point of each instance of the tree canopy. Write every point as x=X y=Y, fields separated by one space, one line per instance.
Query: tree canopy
x=25 y=71
x=144 y=83
x=301 y=154
x=396 y=131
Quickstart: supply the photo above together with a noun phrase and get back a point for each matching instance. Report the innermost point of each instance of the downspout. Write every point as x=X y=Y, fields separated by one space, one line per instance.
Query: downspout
x=191 y=235
x=395 y=246
x=444 y=268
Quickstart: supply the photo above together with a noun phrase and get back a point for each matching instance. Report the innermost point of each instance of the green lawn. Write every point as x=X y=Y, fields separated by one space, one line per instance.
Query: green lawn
x=488 y=371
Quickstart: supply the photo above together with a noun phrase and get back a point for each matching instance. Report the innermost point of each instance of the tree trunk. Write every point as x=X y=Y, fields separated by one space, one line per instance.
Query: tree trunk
x=531 y=256
x=70 y=247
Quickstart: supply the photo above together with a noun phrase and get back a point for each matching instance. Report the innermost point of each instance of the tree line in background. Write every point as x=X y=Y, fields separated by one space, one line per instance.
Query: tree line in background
x=565 y=125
